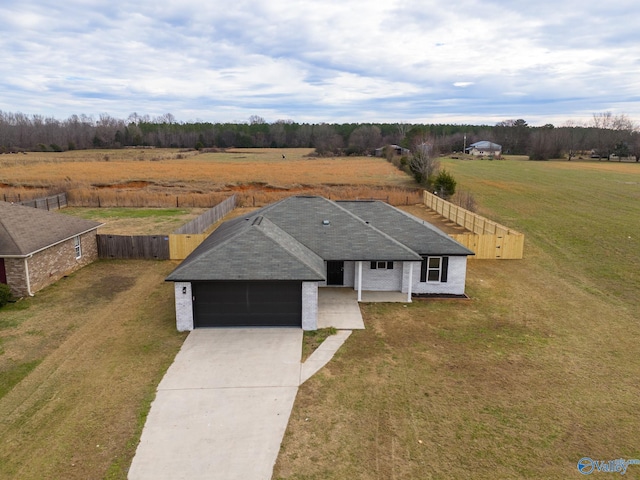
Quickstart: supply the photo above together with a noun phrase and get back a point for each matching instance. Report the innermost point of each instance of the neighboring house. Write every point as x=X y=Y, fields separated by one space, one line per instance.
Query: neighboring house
x=485 y=149
x=397 y=150
x=38 y=247
x=266 y=268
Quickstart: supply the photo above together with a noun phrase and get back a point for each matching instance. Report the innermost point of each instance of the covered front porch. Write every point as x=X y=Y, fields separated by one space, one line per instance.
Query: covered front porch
x=338 y=306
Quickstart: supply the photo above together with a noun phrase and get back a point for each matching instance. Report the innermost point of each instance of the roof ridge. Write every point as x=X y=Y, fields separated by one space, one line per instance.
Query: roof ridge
x=363 y=221
x=11 y=237
x=266 y=224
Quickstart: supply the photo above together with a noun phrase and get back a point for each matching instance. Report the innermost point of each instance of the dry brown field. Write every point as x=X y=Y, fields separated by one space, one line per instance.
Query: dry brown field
x=172 y=178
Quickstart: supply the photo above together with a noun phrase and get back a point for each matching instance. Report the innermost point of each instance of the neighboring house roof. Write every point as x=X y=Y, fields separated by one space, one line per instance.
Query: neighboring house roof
x=291 y=239
x=485 y=145
x=27 y=230
x=419 y=235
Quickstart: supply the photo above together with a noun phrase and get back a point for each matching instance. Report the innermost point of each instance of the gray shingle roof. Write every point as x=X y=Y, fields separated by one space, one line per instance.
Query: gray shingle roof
x=250 y=249
x=25 y=230
x=345 y=237
x=419 y=235
x=291 y=239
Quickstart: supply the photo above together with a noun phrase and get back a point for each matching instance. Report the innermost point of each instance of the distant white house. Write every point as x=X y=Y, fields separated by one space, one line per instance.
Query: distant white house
x=485 y=149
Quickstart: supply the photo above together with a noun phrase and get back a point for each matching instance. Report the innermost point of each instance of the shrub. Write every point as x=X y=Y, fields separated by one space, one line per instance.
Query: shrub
x=465 y=199
x=5 y=294
x=445 y=184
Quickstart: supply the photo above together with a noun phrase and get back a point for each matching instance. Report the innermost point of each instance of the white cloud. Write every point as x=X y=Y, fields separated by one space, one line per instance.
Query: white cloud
x=349 y=60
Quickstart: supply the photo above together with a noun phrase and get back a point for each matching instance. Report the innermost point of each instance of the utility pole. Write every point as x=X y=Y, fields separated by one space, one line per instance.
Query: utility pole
x=464 y=149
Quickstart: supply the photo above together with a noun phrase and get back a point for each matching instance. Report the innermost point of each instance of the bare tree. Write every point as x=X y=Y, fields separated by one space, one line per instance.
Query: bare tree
x=424 y=163
x=365 y=138
x=326 y=139
x=611 y=131
x=256 y=120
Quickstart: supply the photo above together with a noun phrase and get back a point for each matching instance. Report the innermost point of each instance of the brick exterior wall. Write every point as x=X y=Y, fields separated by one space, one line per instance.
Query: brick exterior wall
x=310 y=305
x=382 y=279
x=184 y=306
x=349 y=273
x=456 y=278
x=50 y=265
x=16 y=277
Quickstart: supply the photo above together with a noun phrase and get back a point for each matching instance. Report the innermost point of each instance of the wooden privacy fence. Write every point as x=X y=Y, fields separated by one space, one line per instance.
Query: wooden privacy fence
x=133 y=246
x=488 y=239
x=180 y=246
x=54 y=202
x=208 y=218
x=185 y=240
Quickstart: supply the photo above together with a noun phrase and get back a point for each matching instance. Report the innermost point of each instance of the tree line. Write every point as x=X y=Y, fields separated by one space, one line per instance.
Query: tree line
x=605 y=135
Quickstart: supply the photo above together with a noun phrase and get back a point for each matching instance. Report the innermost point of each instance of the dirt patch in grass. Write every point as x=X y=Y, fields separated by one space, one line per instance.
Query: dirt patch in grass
x=80 y=363
x=311 y=340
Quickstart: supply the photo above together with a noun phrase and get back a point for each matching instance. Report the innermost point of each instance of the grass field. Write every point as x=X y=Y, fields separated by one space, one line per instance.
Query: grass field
x=539 y=369
x=79 y=364
x=136 y=221
x=169 y=178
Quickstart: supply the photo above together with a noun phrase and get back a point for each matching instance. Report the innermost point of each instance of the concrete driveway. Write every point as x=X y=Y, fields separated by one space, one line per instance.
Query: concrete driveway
x=223 y=407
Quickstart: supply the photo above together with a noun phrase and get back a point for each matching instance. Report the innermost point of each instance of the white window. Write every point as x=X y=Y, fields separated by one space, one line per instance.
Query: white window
x=434 y=269
x=381 y=265
x=78 y=246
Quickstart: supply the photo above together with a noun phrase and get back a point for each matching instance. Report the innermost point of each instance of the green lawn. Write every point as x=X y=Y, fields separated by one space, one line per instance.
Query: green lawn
x=136 y=221
x=585 y=217
x=537 y=370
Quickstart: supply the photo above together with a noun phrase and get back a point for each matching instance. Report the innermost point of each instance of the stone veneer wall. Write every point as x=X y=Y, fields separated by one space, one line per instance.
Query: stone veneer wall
x=16 y=279
x=50 y=265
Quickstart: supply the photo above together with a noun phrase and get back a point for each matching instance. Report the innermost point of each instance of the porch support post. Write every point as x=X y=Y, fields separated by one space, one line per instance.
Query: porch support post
x=410 y=282
x=360 y=280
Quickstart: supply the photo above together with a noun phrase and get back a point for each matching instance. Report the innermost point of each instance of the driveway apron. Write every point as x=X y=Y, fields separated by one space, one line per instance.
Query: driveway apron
x=223 y=406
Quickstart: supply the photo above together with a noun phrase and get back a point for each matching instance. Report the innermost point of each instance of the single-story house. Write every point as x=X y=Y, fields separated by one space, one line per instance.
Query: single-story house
x=266 y=268
x=485 y=149
x=38 y=247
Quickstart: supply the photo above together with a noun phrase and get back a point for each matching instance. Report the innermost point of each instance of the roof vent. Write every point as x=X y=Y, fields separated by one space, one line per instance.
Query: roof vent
x=326 y=222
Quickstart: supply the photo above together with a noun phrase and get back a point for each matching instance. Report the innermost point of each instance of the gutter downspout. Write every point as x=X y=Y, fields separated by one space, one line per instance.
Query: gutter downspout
x=410 y=282
x=26 y=271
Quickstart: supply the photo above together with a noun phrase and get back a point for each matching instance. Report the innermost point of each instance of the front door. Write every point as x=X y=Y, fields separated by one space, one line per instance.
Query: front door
x=335 y=273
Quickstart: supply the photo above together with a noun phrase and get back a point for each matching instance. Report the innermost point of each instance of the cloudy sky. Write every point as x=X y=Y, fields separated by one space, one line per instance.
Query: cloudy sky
x=428 y=61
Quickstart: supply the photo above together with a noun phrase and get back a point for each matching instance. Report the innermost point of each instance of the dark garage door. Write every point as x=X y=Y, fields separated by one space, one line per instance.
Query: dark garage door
x=247 y=304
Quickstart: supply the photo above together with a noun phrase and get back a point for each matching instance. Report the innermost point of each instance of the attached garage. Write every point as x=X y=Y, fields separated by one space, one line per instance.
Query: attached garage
x=247 y=304
x=265 y=269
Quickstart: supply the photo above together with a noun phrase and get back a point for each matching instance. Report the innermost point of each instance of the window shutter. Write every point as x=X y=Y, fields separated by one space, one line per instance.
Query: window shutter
x=445 y=269
x=423 y=270
x=373 y=265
